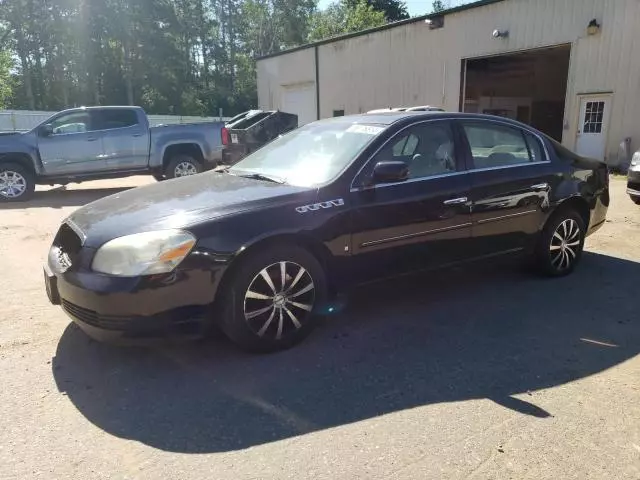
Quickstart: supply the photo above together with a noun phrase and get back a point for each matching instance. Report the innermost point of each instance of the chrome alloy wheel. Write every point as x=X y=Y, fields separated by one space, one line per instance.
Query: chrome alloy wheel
x=279 y=300
x=565 y=244
x=184 y=169
x=12 y=184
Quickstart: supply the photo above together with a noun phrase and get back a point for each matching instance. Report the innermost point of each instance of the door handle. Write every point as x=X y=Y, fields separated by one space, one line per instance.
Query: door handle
x=92 y=139
x=456 y=201
x=137 y=135
x=539 y=187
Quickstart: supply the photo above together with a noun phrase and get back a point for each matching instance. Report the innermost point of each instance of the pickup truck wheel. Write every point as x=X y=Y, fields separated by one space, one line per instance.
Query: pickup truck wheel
x=182 y=166
x=16 y=183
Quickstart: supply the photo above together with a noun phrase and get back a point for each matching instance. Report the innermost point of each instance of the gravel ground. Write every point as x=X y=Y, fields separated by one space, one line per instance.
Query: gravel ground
x=471 y=373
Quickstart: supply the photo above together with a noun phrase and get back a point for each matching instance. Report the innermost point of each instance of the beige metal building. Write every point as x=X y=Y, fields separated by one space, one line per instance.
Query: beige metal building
x=568 y=67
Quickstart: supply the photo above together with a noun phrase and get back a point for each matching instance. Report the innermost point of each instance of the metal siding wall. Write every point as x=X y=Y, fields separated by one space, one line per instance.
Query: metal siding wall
x=274 y=73
x=412 y=64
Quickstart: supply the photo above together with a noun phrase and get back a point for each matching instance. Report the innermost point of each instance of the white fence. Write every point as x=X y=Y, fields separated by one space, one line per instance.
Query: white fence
x=22 y=120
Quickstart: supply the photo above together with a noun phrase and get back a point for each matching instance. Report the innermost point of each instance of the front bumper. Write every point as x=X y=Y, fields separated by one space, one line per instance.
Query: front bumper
x=129 y=310
x=633 y=181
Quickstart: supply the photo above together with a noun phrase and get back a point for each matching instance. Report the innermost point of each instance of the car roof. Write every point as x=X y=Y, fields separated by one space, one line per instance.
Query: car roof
x=391 y=117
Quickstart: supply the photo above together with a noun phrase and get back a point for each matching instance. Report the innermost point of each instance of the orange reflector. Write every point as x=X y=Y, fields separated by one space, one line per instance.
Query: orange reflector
x=178 y=252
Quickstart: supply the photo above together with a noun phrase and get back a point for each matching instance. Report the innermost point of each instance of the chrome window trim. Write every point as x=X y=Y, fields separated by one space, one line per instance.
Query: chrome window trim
x=353 y=189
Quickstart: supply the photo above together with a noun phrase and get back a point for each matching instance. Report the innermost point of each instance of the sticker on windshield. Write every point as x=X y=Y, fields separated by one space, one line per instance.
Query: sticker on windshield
x=366 y=129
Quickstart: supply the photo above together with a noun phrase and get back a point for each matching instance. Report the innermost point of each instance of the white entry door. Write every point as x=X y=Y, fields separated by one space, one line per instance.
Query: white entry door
x=592 y=126
x=301 y=100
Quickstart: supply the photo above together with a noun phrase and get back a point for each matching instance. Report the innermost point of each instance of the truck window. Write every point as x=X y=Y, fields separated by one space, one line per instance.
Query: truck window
x=117 y=118
x=75 y=122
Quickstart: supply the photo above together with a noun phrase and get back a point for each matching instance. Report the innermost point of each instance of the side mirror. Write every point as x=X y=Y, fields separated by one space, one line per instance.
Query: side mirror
x=45 y=130
x=390 y=172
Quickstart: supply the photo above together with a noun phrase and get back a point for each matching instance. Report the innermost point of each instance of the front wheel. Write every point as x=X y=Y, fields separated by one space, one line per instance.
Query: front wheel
x=182 y=166
x=272 y=299
x=561 y=243
x=16 y=183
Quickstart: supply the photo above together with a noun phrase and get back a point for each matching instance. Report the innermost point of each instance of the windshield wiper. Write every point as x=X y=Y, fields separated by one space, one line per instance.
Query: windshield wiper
x=262 y=176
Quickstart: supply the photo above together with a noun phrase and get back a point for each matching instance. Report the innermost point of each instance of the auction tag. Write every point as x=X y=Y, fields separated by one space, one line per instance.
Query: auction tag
x=366 y=129
x=234 y=138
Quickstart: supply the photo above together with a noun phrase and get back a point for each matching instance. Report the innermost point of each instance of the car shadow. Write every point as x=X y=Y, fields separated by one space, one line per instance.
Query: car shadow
x=60 y=197
x=470 y=333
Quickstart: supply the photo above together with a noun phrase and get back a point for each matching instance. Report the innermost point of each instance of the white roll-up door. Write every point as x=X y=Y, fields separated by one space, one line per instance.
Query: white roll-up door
x=301 y=100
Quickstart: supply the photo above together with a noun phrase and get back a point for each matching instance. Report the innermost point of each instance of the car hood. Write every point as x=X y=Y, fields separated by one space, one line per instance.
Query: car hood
x=178 y=203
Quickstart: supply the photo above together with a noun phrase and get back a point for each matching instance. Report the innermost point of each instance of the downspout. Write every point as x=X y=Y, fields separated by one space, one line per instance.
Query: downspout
x=317 y=84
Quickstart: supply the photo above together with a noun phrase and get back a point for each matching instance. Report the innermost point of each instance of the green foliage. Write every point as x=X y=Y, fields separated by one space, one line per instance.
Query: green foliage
x=189 y=57
x=393 y=10
x=438 y=6
x=341 y=18
x=6 y=81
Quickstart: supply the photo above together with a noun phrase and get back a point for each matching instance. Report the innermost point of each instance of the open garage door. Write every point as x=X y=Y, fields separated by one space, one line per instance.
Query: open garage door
x=528 y=86
x=300 y=100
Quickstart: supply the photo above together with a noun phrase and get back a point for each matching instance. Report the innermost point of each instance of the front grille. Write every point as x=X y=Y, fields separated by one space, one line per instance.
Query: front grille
x=90 y=317
x=181 y=319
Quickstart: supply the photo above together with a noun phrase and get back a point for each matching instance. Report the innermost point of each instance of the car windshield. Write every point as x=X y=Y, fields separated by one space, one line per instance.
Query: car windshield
x=310 y=155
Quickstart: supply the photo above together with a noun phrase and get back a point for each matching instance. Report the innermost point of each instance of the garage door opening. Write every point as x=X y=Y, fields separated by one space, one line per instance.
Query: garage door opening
x=530 y=87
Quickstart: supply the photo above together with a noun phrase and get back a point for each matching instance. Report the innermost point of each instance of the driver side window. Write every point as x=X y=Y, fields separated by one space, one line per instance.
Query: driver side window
x=428 y=149
x=76 y=122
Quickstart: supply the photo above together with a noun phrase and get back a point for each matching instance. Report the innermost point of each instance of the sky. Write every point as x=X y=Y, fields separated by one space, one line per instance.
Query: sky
x=416 y=7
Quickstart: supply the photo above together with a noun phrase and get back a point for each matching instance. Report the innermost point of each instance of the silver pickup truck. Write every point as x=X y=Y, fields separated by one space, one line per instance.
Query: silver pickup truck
x=103 y=142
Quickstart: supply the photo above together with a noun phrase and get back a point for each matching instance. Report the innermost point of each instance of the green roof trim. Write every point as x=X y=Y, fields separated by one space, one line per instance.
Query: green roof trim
x=461 y=8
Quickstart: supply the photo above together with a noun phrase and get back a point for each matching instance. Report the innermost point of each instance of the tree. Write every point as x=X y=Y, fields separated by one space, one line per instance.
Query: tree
x=340 y=18
x=6 y=81
x=393 y=10
x=438 y=6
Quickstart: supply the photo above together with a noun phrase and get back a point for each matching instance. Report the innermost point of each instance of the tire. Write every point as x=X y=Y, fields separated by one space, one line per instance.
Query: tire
x=635 y=200
x=185 y=163
x=264 y=320
x=158 y=176
x=17 y=183
x=560 y=245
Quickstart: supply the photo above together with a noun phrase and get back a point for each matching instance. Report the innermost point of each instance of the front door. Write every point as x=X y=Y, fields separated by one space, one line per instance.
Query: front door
x=74 y=147
x=593 y=125
x=421 y=222
x=510 y=177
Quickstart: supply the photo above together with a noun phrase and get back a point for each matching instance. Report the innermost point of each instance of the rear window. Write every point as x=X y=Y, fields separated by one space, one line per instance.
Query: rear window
x=114 y=118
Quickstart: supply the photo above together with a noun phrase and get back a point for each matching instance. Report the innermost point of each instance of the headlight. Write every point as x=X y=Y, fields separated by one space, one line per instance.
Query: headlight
x=143 y=253
x=635 y=160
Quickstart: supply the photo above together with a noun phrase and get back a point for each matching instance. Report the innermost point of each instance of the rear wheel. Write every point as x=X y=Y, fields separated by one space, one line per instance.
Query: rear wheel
x=16 y=183
x=560 y=246
x=271 y=300
x=182 y=166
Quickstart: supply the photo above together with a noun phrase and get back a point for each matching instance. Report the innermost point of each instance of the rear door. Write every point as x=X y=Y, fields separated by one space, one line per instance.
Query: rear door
x=511 y=177
x=74 y=147
x=125 y=138
x=421 y=222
